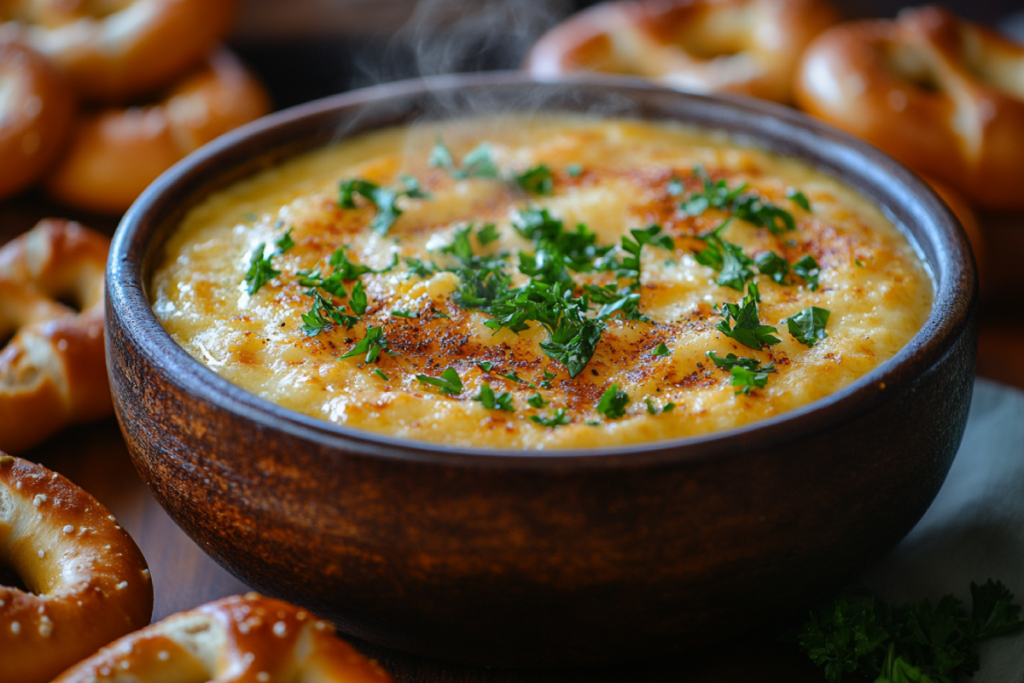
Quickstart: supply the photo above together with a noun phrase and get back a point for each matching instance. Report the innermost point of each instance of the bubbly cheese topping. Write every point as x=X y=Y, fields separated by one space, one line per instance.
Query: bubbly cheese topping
x=424 y=317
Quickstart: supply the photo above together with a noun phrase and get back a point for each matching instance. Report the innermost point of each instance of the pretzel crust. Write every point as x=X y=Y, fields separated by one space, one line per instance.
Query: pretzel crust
x=938 y=93
x=52 y=372
x=89 y=581
x=244 y=639
x=115 y=56
x=749 y=47
x=117 y=152
x=35 y=116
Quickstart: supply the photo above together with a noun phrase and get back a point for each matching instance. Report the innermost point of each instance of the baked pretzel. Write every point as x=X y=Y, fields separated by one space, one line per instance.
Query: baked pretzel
x=116 y=153
x=89 y=583
x=241 y=639
x=35 y=116
x=52 y=372
x=944 y=96
x=115 y=50
x=749 y=47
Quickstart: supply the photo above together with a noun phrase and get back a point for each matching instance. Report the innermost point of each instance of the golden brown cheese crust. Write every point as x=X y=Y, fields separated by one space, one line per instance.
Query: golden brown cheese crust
x=875 y=287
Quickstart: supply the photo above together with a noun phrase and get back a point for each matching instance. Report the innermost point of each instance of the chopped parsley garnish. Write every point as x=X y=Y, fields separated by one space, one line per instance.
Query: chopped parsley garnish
x=661 y=350
x=371 y=345
x=380 y=373
x=613 y=402
x=556 y=419
x=384 y=198
x=860 y=264
x=536 y=180
x=735 y=267
x=808 y=326
x=476 y=164
x=260 y=269
x=556 y=248
x=747 y=379
x=398 y=313
x=675 y=187
x=492 y=401
x=733 y=361
x=546 y=382
x=808 y=269
x=460 y=246
x=574 y=170
x=324 y=315
x=653 y=409
x=798 y=198
x=420 y=268
x=487 y=234
x=485 y=365
x=448 y=383
x=358 y=302
x=747 y=207
x=857 y=631
x=669 y=407
x=514 y=377
x=537 y=401
x=771 y=264
x=747 y=329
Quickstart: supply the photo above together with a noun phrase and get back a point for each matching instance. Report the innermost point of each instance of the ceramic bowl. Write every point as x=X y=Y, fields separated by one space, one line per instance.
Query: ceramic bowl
x=542 y=558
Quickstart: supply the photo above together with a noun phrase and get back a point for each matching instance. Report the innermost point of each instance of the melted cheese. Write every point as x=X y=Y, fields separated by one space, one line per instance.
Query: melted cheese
x=871 y=281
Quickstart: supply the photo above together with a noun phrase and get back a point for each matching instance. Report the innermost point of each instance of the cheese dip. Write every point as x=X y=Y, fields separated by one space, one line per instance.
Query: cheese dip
x=530 y=283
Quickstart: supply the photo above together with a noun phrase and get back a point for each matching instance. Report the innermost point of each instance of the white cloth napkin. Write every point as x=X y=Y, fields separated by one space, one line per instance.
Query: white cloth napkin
x=974 y=530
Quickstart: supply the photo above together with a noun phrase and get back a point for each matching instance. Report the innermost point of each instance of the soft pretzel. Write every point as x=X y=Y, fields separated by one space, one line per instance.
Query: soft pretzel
x=116 y=153
x=52 y=371
x=36 y=110
x=89 y=583
x=242 y=639
x=942 y=95
x=742 y=46
x=114 y=50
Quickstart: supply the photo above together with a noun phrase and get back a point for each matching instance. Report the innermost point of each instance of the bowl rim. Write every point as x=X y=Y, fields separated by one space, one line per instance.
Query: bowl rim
x=954 y=281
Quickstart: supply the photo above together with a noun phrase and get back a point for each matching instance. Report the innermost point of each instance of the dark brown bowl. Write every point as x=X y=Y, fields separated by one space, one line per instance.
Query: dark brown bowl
x=542 y=558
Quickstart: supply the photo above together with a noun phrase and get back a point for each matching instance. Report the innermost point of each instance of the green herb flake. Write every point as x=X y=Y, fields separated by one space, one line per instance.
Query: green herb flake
x=537 y=401
x=478 y=163
x=448 y=383
x=323 y=315
x=260 y=270
x=613 y=402
x=371 y=345
x=675 y=187
x=747 y=329
x=380 y=373
x=537 y=180
x=859 y=263
x=358 y=301
x=808 y=326
x=492 y=401
x=398 y=313
x=487 y=234
x=574 y=170
x=651 y=408
x=514 y=377
x=808 y=269
x=384 y=198
x=669 y=407
x=556 y=419
x=661 y=350
x=485 y=365
x=748 y=207
x=748 y=379
x=771 y=264
x=798 y=198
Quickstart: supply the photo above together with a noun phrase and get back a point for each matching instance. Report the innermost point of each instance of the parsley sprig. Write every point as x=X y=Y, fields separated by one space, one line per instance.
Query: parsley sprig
x=384 y=198
x=448 y=383
x=859 y=632
x=747 y=328
x=478 y=163
x=613 y=402
x=261 y=271
x=747 y=373
x=737 y=201
x=372 y=344
x=808 y=326
x=492 y=401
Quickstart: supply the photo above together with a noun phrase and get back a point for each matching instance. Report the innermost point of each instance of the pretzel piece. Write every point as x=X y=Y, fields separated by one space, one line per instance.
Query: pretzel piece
x=89 y=583
x=52 y=371
x=241 y=639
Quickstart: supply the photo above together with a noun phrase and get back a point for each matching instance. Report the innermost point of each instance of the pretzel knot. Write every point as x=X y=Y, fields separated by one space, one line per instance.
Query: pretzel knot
x=243 y=638
x=52 y=371
x=749 y=47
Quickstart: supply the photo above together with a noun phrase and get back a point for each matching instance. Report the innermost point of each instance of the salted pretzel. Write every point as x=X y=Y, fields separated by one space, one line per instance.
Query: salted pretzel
x=242 y=639
x=117 y=152
x=115 y=50
x=942 y=95
x=36 y=112
x=52 y=371
x=741 y=46
x=87 y=581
